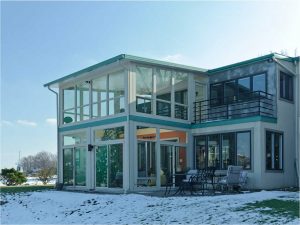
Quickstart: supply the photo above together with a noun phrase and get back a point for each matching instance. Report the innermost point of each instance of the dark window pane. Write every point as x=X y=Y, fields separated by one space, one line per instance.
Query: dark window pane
x=200 y=152
x=229 y=91
x=286 y=86
x=228 y=150
x=244 y=88
x=274 y=151
x=216 y=94
x=163 y=108
x=259 y=83
x=269 y=150
x=243 y=143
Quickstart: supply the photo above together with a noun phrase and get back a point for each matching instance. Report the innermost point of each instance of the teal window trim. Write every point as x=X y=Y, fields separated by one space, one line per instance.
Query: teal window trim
x=94 y=123
x=235 y=121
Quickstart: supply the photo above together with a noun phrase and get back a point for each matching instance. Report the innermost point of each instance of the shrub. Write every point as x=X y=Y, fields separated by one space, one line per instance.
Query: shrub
x=12 y=177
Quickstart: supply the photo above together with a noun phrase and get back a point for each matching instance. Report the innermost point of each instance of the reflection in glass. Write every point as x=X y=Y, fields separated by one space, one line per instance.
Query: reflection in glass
x=80 y=166
x=145 y=133
x=68 y=166
x=109 y=134
x=259 y=82
x=166 y=164
x=243 y=149
x=213 y=151
x=163 y=84
x=228 y=150
x=173 y=136
x=101 y=166
x=115 y=165
x=244 y=88
x=75 y=138
x=146 y=164
x=229 y=91
x=200 y=152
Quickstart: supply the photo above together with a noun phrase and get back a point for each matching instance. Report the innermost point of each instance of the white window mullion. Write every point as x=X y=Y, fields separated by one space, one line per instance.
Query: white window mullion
x=172 y=94
x=153 y=100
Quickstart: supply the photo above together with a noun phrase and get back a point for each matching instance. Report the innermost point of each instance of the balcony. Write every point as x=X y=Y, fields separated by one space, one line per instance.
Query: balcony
x=256 y=103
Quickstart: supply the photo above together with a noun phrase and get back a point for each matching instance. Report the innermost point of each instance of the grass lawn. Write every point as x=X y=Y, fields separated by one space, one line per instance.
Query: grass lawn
x=17 y=189
x=275 y=207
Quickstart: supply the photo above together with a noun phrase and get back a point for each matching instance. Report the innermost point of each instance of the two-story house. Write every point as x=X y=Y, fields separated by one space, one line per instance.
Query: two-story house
x=126 y=123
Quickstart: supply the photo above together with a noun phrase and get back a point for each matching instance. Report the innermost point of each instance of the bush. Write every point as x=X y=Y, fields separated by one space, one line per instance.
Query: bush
x=46 y=174
x=12 y=177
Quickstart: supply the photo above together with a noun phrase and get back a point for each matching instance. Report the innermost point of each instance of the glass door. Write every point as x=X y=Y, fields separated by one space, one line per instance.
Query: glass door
x=173 y=164
x=109 y=165
x=166 y=163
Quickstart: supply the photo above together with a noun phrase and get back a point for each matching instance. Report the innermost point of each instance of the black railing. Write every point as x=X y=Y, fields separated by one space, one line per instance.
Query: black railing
x=250 y=104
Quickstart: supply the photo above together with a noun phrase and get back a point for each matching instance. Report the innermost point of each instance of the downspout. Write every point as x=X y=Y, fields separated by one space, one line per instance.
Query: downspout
x=57 y=137
x=297 y=112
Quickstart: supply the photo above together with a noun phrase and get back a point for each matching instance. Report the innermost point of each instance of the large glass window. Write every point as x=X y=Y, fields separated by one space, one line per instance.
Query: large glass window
x=200 y=143
x=181 y=95
x=116 y=93
x=243 y=144
x=229 y=91
x=69 y=105
x=99 y=90
x=146 y=163
x=216 y=94
x=259 y=82
x=109 y=166
x=286 y=86
x=244 y=87
x=74 y=166
x=80 y=166
x=213 y=151
x=144 y=89
x=163 y=92
x=222 y=150
x=68 y=166
x=173 y=136
x=228 y=150
x=108 y=134
x=83 y=100
x=75 y=138
x=274 y=151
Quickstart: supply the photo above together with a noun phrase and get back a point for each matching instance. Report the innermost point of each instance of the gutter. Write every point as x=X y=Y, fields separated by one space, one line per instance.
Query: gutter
x=57 y=138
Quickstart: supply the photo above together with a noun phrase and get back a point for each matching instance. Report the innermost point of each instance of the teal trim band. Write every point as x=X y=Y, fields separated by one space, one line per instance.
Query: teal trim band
x=94 y=124
x=159 y=121
x=235 y=121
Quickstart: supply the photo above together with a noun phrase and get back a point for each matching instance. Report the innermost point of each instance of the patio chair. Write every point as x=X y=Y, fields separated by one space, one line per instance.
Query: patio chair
x=243 y=180
x=185 y=183
x=232 y=178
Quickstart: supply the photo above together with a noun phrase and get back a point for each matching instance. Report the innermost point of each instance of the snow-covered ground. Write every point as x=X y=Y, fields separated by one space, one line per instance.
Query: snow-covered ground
x=58 y=207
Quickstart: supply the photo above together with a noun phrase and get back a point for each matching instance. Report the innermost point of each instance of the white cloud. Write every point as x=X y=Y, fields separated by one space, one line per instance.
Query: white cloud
x=177 y=58
x=51 y=121
x=27 y=123
x=6 y=123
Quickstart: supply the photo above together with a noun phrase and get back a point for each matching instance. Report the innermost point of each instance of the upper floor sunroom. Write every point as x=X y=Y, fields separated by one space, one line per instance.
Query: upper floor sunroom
x=131 y=85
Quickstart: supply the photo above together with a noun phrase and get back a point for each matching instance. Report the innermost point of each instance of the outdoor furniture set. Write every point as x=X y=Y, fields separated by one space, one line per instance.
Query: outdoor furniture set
x=207 y=181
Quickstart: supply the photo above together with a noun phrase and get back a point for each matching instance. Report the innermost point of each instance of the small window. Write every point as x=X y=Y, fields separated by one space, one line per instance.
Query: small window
x=286 y=86
x=274 y=151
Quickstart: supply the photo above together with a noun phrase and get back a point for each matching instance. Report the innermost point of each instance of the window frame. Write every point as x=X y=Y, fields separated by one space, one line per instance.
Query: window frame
x=222 y=101
x=220 y=148
x=273 y=132
x=282 y=94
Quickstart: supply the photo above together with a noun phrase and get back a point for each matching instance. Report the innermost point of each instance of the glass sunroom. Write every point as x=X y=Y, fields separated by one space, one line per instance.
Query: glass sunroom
x=124 y=124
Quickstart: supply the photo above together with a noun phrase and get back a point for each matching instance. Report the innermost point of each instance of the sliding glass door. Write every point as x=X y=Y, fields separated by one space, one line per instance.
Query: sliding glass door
x=172 y=161
x=109 y=165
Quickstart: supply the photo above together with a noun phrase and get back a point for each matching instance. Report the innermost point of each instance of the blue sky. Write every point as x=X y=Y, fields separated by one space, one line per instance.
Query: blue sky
x=42 y=41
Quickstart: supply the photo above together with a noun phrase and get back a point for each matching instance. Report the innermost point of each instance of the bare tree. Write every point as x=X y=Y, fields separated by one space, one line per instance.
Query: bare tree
x=43 y=164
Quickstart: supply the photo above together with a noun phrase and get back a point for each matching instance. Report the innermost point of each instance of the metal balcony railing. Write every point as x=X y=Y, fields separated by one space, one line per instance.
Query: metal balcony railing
x=248 y=104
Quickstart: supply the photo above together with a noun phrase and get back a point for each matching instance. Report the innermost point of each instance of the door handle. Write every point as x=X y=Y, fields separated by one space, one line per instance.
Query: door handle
x=90 y=147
